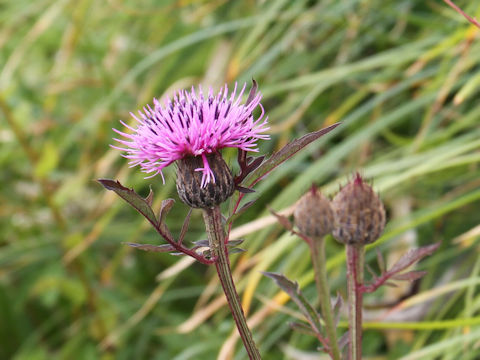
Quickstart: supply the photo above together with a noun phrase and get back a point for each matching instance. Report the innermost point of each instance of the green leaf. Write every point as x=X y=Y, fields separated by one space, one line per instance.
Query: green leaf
x=293 y=290
x=131 y=197
x=286 y=153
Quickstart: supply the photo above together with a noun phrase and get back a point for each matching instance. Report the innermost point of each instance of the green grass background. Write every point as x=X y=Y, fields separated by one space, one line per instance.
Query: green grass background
x=403 y=77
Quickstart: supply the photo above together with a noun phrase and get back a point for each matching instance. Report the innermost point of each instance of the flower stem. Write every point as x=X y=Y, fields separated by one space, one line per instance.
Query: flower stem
x=317 y=248
x=355 y=264
x=217 y=239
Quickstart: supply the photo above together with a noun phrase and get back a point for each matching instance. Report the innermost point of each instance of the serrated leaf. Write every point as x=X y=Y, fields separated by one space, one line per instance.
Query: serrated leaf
x=131 y=197
x=286 y=152
x=293 y=290
x=413 y=256
x=409 y=276
x=152 y=248
x=186 y=222
x=164 y=210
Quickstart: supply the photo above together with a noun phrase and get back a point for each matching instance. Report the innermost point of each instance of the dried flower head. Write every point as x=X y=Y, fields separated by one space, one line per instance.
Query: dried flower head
x=359 y=214
x=313 y=214
x=193 y=124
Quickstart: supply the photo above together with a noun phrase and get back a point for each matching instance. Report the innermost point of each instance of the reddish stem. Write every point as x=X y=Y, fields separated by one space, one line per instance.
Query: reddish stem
x=355 y=263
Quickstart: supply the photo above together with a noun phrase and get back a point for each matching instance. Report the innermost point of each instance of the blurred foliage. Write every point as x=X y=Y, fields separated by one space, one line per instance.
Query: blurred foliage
x=402 y=76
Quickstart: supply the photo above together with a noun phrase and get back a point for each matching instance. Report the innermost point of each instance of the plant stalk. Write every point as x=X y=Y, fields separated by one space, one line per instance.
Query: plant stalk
x=217 y=241
x=317 y=248
x=355 y=265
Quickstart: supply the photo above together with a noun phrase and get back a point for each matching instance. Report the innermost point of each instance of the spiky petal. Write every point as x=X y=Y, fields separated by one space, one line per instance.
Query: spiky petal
x=193 y=124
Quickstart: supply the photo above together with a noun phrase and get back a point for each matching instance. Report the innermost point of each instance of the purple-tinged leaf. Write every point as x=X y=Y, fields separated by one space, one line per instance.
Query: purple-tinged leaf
x=149 y=198
x=283 y=220
x=236 y=250
x=152 y=248
x=244 y=190
x=131 y=197
x=236 y=242
x=389 y=283
x=380 y=261
x=245 y=206
x=412 y=256
x=183 y=232
x=286 y=152
x=337 y=306
x=164 y=209
x=201 y=243
x=253 y=92
x=177 y=253
x=293 y=290
x=343 y=341
x=409 y=276
x=302 y=328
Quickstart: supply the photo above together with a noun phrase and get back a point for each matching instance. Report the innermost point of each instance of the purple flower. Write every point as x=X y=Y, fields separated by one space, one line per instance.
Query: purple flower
x=193 y=124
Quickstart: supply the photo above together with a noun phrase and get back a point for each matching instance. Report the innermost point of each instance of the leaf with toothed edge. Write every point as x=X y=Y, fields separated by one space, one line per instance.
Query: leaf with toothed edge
x=131 y=197
x=285 y=153
x=293 y=290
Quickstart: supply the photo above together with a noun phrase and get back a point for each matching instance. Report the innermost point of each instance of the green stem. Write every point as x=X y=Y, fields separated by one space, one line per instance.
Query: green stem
x=355 y=264
x=317 y=246
x=217 y=238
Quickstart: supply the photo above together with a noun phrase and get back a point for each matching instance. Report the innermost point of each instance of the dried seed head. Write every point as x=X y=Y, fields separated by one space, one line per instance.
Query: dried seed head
x=313 y=214
x=189 y=181
x=359 y=214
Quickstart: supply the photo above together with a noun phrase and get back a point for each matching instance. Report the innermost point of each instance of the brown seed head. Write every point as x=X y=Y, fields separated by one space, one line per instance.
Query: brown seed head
x=359 y=214
x=313 y=214
x=189 y=181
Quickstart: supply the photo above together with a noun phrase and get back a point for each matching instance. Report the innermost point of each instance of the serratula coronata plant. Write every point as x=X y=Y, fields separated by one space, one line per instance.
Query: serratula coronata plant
x=191 y=130
x=355 y=217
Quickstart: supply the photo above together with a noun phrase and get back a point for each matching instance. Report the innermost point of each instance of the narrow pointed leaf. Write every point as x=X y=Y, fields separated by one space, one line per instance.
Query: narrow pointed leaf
x=164 y=209
x=343 y=341
x=283 y=220
x=253 y=92
x=149 y=198
x=293 y=290
x=244 y=190
x=201 y=243
x=337 y=306
x=236 y=250
x=380 y=260
x=302 y=328
x=152 y=248
x=413 y=256
x=131 y=197
x=285 y=153
x=183 y=232
x=236 y=242
x=409 y=276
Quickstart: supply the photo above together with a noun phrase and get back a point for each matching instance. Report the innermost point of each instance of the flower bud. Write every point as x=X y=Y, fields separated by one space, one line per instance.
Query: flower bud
x=359 y=214
x=313 y=214
x=189 y=181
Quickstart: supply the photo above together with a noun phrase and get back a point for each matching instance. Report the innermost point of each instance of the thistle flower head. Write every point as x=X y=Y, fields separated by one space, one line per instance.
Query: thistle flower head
x=359 y=214
x=193 y=124
x=313 y=214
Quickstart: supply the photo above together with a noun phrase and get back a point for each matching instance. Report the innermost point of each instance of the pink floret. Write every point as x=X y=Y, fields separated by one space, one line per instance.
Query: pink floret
x=193 y=124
